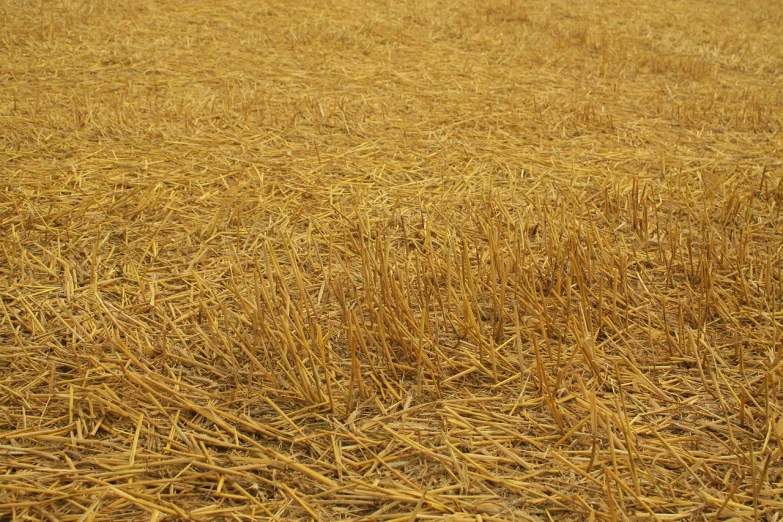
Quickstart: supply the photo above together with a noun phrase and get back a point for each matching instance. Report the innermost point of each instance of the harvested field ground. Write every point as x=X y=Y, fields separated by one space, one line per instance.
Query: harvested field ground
x=291 y=260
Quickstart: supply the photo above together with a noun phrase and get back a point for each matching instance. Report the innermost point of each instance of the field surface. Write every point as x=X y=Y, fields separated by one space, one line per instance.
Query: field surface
x=380 y=260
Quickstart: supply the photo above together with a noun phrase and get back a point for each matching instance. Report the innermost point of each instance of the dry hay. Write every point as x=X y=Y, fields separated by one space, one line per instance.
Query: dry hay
x=390 y=260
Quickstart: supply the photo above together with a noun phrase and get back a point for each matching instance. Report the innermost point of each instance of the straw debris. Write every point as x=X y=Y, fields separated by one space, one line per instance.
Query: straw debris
x=390 y=261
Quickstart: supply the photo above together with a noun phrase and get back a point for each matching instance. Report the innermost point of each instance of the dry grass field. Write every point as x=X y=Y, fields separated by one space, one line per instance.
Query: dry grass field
x=379 y=260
